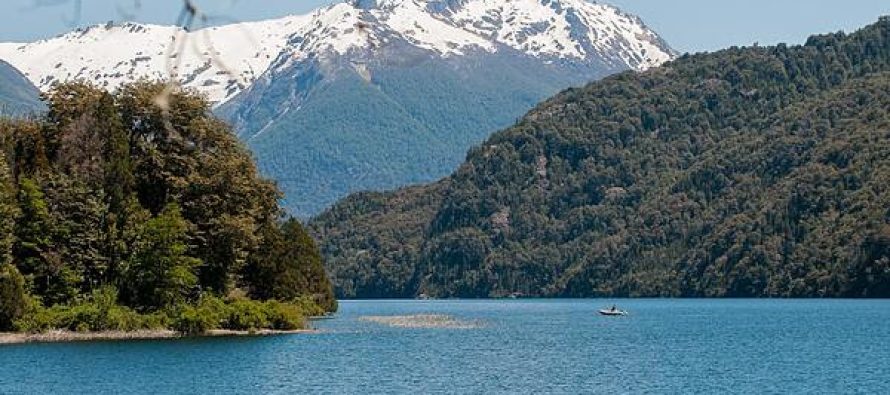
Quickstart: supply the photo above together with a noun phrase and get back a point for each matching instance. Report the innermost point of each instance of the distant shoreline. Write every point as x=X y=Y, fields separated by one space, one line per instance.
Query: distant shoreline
x=62 y=336
x=530 y=298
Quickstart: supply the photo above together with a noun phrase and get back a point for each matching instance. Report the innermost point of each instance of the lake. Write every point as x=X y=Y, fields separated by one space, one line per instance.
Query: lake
x=499 y=346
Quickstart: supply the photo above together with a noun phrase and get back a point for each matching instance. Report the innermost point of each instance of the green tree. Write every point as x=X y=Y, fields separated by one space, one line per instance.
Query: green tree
x=68 y=104
x=182 y=153
x=118 y=182
x=77 y=213
x=160 y=273
x=13 y=297
x=870 y=275
x=29 y=149
x=287 y=266
x=35 y=253
x=8 y=211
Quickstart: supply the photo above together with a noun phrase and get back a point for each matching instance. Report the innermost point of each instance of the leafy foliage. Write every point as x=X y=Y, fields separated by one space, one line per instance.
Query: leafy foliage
x=8 y=211
x=159 y=265
x=202 y=317
x=13 y=296
x=760 y=171
x=142 y=191
x=238 y=314
x=287 y=265
x=99 y=311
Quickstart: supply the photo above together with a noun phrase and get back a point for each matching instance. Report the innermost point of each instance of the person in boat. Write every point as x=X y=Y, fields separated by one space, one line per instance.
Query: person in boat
x=614 y=308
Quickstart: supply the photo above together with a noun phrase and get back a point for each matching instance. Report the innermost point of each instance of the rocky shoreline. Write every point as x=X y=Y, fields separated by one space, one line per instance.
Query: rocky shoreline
x=60 y=336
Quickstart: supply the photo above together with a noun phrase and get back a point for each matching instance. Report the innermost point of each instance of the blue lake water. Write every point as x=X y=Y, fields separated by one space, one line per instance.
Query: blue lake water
x=513 y=346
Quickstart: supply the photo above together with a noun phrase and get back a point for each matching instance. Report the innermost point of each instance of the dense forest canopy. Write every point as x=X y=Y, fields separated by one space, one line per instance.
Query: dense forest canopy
x=758 y=171
x=142 y=201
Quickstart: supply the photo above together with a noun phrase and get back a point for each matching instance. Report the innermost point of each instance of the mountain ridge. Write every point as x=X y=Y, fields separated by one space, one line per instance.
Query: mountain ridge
x=364 y=95
x=749 y=172
x=414 y=96
x=221 y=61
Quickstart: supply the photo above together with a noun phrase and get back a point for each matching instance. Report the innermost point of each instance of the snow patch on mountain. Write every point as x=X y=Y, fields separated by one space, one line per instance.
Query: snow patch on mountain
x=431 y=32
x=563 y=28
x=218 y=61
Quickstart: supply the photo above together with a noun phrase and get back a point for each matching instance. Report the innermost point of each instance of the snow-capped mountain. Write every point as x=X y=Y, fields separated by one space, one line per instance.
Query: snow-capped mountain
x=219 y=61
x=575 y=29
x=222 y=61
x=363 y=94
x=562 y=28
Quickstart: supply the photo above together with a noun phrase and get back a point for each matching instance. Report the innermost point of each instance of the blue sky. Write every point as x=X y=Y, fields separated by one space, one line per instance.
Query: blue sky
x=688 y=25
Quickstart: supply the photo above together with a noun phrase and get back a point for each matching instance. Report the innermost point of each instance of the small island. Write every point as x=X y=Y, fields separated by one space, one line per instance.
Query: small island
x=138 y=214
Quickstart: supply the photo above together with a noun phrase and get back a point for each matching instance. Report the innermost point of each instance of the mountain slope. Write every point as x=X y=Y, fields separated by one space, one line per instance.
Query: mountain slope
x=17 y=95
x=410 y=124
x=747 y=172
x=363 y=94
x=378 y=95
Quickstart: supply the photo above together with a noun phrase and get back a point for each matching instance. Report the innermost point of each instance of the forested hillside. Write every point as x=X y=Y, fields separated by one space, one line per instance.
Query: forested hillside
x=410 y=123
x=139 y=209
x=758 y=171
x=400 y=100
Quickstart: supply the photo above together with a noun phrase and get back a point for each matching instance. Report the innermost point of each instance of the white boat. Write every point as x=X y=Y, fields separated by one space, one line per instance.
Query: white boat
x=612 y=311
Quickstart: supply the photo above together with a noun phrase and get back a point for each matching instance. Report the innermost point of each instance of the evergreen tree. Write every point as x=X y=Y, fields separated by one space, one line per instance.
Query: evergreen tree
x=870 y=275
x=183 y=154
x=29 y=149
x=33 y=237
x=13 y=297
x=35 y=253
x=159 y=272
x=288 y=265
x=118 y=183
x=77 y=213
x=8 y=211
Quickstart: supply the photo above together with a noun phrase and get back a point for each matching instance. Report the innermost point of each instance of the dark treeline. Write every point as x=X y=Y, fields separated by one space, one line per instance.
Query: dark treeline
x=750 y=172
x=140 y=204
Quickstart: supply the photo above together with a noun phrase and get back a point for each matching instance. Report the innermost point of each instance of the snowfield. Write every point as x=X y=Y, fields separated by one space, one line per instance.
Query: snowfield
x=222 y=61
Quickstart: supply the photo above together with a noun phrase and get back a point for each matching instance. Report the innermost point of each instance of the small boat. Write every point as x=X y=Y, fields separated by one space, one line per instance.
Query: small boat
x=613 y=311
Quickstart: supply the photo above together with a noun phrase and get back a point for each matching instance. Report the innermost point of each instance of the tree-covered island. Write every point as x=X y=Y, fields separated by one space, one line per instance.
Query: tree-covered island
x=139 y=210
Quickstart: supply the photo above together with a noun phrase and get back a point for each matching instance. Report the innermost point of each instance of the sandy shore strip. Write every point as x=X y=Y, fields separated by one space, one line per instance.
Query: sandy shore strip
x=59 y=336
